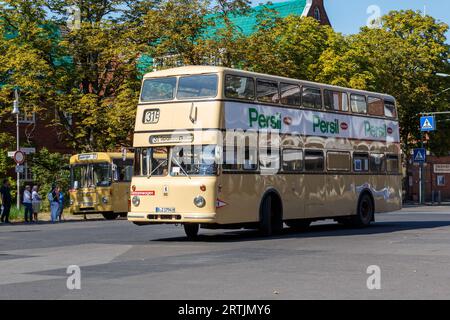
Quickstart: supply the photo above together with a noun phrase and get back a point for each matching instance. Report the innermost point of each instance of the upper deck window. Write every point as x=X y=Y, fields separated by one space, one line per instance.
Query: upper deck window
x=376 y=107
x=238 y=87
x=267 y=91
x=159 y=89
x=334 y=100
x=290 y=94
x=312 y=98
x=197 y=86
x=359 y=103
x=389 y=109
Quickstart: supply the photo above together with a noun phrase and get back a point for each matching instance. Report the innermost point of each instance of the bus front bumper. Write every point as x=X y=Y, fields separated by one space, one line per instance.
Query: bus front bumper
x=172 y=218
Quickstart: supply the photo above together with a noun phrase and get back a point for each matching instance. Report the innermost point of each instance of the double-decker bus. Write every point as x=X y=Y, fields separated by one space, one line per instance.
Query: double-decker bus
x=224 y=148
x=100 y=183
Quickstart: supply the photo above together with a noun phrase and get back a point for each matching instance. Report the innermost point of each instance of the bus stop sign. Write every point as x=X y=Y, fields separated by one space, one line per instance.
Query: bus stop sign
x=427 y=124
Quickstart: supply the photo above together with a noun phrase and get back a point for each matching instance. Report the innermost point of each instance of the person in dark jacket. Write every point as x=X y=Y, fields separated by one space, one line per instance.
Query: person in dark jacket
x=5 y=194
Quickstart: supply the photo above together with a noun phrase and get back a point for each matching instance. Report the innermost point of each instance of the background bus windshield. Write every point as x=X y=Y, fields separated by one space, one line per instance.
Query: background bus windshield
x=90 y=175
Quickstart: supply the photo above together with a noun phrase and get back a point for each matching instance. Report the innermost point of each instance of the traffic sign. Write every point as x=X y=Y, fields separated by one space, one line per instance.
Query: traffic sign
x=19 y=169
x=420 y=155
x=427 y=123
x=19 y=157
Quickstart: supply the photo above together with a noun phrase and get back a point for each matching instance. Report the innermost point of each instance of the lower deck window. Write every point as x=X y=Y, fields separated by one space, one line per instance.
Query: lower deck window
x=360 y=162
x=314 y=161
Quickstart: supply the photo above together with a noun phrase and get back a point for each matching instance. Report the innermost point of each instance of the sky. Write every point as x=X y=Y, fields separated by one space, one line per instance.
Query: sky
x=348 y=16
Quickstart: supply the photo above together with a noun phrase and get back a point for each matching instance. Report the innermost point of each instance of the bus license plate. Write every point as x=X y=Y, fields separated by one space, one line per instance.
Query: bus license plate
x=165 y=210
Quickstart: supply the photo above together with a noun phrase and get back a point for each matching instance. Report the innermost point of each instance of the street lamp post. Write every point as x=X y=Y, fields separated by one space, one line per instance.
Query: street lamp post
x=16 y=112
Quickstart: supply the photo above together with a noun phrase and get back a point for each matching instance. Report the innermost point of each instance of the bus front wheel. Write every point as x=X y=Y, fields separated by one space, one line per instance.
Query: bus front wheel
x=191 y=230
x=110 y=215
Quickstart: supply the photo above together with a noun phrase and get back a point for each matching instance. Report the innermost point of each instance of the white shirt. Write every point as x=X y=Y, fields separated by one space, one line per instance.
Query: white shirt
x=35 y=197
x=27 y=197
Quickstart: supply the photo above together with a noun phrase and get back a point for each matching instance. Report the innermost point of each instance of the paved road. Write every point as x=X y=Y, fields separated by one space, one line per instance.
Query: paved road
x=121 y=261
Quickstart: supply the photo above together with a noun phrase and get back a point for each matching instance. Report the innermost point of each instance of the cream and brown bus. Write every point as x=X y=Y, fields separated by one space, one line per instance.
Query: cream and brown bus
x=222 y=148
x=100 y=183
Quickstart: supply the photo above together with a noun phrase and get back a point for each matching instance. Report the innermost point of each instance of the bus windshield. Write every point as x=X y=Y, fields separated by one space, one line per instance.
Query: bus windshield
x=189 y=87
x=90 y=175
x=184 y=161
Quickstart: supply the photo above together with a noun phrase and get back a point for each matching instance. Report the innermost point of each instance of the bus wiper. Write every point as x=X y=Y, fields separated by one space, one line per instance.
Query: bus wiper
x=157 y=167
x=181 y=167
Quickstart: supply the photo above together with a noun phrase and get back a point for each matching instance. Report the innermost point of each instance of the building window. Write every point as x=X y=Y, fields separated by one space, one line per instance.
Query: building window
x=441 y=181
x=26 y=116
x=26 y=174
x=317 y=14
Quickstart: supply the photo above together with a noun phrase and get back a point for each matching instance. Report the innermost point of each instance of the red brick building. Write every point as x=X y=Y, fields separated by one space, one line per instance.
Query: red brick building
x=437 y=179
x=36 y=131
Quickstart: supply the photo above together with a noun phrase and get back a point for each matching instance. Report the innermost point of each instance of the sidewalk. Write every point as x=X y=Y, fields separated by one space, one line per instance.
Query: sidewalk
x=427 y=204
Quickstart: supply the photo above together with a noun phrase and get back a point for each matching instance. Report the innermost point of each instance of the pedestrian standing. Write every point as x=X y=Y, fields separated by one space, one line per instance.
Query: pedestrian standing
x=61 y=204
x=5 y=195
x=36 y=202
x=27 y=203
x=53 y=197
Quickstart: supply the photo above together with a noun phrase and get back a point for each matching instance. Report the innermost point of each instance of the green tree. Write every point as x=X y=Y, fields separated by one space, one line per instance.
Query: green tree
x=401 y=59
x=289 y=47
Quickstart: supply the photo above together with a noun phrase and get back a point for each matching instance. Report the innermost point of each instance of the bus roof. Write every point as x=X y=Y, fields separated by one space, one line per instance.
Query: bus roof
x=191 y=70
x=98 y=157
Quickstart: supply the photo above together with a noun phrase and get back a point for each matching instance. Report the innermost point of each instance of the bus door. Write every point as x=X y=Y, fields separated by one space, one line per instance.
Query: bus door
x=122 y=174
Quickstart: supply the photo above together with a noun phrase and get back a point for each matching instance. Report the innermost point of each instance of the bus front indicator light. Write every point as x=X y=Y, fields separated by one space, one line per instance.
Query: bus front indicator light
x=203 y=188
x=136 y=201
x=199 y=201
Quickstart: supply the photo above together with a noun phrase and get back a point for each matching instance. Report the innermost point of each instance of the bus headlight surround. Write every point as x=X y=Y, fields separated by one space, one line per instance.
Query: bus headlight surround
x=136 y=201
x=199 y=201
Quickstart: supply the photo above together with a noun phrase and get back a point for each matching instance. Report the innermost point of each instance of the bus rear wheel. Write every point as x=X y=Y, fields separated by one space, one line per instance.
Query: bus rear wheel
x=271 y=217
x=110 y=215
x=191 y=230
x=365 y=212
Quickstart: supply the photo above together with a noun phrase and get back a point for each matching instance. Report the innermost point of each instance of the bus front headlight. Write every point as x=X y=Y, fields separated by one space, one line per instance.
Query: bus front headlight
x=136 y=201
x=71 y=202
x=105 y=200
x=199 y=201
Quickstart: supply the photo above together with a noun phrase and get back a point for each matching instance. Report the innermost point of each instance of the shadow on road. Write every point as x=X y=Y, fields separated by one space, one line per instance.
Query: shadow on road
x=323 y=230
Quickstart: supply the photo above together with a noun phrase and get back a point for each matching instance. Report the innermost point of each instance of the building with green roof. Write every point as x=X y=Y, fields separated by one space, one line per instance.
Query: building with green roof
x=247 y=23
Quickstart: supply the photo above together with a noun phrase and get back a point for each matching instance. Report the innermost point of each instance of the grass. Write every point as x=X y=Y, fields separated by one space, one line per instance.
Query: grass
x=16 y=214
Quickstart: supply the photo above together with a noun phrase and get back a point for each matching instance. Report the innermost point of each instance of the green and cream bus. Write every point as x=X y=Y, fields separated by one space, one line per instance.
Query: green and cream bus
x=222 y=148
